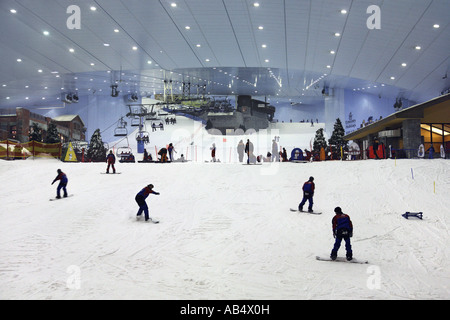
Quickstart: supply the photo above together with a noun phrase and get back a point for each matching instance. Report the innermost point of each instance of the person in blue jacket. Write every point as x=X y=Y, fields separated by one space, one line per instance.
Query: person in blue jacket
x=111 y=159
x=140 y=199
x=342 y=229
x=62 y=184
x=308 y=194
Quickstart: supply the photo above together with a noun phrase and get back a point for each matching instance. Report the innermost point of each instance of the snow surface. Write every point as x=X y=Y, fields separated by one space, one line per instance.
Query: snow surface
x=225 y=231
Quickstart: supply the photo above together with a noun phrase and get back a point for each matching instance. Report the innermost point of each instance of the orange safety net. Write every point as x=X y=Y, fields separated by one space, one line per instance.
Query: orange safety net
x=13 y=150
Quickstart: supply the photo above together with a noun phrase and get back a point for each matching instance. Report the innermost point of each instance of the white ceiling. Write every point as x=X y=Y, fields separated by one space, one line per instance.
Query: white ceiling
x=230 y=58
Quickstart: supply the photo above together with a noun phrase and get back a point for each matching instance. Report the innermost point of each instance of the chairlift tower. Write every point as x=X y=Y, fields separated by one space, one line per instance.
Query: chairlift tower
x=168 y=90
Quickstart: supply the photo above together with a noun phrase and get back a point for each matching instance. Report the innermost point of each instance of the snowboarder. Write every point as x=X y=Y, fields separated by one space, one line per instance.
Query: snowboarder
x=62 y=184
x=308 y=194
x=213 y=152
x=163 y=154
x=171 y=150
x=342 y=229
x=111 y=159
x=140 y=199
x=249 y=150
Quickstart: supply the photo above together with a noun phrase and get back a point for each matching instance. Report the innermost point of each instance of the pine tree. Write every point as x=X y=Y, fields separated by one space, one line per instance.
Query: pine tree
x=319 y=141
x=52 y=134
x=337 y=139
x=36 y=134
x=96 y=150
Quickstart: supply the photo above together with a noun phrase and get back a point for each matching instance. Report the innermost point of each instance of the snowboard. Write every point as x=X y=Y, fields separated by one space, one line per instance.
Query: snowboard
x=138 y=218
x=53 y=199
x=295 y=210
x=342 y=259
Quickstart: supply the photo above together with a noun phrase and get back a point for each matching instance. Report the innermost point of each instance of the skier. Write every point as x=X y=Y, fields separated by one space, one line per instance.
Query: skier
x=308 y=193
x=140 y=199
x=111 y=159
x=342 y=229
x=62 y=184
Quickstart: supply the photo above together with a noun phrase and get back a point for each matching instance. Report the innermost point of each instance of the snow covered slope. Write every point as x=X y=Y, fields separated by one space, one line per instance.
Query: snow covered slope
x=226 y=231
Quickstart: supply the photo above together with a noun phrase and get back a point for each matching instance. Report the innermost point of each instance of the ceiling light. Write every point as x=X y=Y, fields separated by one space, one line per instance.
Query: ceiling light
x=337 y=34
x=106 y=44
x=7 y=98
x=404 y=64
x=13 y=11
x=332 y=52
x=173 y=5
x=264 y=46
x=149 y=62
x=19 y=60
x=46 y=33
x=343 y=11
x=256 y=4
x=267 y=60
x=392 y=78
x=261 y=28
x=116 y=30
x=207 y=60
x=187 y=27
x=436 y=26
x=328 y=67
x=135 y=48
x=418 y=47
x=92 y=64
x=93 y=8
x=71 y=50
x=40 y=70
x=199 y=45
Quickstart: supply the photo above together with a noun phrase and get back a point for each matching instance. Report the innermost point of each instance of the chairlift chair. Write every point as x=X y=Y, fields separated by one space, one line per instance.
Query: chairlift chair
x=121 y=130
x=143 y=136
x=136 y=122
x=124 y=151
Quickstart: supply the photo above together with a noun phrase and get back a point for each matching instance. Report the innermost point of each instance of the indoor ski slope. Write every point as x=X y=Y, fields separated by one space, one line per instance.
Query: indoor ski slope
x=225 y=231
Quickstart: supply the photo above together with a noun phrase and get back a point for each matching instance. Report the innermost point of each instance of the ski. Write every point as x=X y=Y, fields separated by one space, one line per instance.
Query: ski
x=342 y=259
x=295 y=210
x=53 y=199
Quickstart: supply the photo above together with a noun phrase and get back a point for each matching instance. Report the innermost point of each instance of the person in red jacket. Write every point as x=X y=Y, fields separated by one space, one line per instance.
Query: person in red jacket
x=111 y=159
x=140 y=199
x=308 y=194
x=342 y=229
x=62 y=183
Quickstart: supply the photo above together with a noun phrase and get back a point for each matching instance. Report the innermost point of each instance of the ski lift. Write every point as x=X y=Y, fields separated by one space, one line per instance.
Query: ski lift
x=136 y=122
x=121 y=130
x=143 y=136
